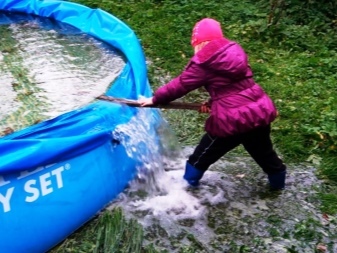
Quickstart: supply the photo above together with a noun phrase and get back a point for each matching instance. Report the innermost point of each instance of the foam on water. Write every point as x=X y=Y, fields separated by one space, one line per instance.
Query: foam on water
x=173 y=199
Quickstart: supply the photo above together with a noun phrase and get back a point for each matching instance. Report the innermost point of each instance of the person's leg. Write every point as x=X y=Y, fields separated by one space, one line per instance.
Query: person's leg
x=259 y=145
x=208 y=151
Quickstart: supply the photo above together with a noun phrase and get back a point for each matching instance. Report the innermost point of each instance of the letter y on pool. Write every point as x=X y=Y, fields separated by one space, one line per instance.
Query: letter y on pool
x=5 y=199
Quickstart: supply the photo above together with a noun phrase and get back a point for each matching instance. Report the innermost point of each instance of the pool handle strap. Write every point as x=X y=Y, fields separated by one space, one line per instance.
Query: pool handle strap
x=135 y=103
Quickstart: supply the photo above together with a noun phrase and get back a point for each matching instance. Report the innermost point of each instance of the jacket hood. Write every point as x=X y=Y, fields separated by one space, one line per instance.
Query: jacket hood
x=225 y=56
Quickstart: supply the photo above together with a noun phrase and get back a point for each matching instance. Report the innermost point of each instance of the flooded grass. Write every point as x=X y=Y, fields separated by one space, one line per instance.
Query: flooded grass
x=49 y=68
x=18 y=99
x=234 y=211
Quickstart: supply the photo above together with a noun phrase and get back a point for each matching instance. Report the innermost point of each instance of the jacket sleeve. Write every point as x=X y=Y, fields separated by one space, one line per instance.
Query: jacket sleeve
x=193 y=77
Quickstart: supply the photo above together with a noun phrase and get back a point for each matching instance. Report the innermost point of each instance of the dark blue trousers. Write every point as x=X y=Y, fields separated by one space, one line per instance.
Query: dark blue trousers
x=257 y=143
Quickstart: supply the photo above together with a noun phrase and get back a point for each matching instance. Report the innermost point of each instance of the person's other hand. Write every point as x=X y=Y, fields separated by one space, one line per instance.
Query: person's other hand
x=145 y=101
x=205 y=108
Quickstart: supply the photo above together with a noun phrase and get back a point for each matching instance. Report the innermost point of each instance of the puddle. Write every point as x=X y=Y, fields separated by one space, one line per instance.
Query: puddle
x=232 y=210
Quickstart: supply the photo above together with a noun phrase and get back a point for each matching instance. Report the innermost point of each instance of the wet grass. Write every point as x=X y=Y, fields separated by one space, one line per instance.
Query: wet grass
x=242 y=214
x=110 y=232
x=22 y=84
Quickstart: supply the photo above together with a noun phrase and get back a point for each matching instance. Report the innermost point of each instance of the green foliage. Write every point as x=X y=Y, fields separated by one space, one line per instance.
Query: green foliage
x=307 y=230
x=329 y=201
x=115 y=234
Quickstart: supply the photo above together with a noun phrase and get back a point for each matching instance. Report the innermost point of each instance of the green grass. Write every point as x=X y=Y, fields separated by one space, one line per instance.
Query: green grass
x=289 y=63
x=110 y=232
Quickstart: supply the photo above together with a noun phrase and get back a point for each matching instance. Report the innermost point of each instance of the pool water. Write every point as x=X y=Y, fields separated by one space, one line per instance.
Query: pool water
x=48 y=68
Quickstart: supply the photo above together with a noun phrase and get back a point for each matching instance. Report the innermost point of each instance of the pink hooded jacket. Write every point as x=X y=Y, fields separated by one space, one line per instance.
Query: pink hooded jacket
x=238 y=104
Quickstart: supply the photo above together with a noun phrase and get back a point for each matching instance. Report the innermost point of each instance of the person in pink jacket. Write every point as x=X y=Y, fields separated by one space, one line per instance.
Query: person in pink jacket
x=240 y=111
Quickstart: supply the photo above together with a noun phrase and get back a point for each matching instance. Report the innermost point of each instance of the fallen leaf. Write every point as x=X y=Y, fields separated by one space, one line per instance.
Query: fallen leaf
x=321 y=247
x=7 y=131
x=325 y=216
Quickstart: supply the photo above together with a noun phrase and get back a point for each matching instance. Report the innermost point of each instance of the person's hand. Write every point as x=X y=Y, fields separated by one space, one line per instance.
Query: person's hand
x=204 y=108
x=145 y=101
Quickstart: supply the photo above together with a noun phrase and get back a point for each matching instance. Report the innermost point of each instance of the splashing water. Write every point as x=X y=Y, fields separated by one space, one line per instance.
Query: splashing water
x=140 y=138
x=230 y=211
x=159 y=190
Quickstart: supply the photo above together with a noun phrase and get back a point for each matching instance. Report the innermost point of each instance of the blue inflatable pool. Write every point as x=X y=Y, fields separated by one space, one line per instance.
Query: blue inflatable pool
x=56 y=175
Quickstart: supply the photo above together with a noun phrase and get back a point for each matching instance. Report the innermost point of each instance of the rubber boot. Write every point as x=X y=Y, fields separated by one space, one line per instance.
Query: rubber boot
x=277 y=181
x=192 y=175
